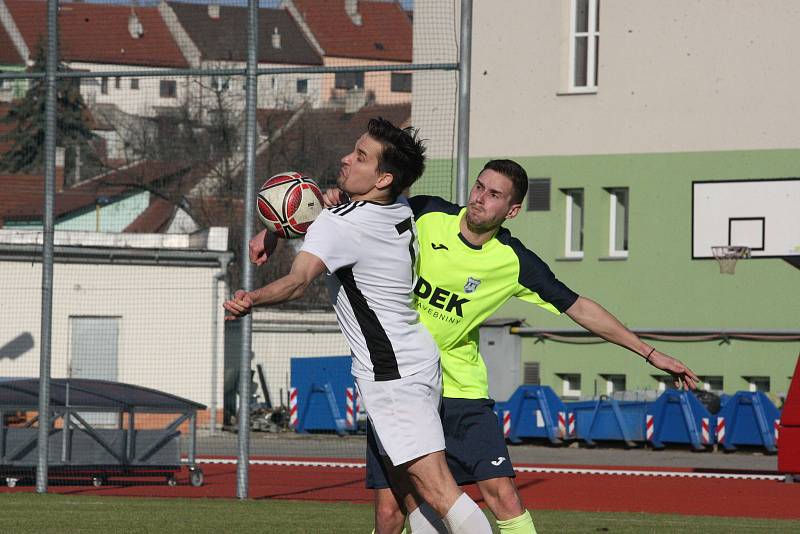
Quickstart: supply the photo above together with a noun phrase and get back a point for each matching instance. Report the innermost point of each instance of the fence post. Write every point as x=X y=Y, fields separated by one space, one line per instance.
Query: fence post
x=47 y=243
x=251 y=100
x=464 y=65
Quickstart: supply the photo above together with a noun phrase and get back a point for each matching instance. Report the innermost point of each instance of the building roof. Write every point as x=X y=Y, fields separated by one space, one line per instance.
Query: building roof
x=154 y=219
x=22 y=197
x=385 y=32
x=225 y=38
x=8 y=52
x=99 y=33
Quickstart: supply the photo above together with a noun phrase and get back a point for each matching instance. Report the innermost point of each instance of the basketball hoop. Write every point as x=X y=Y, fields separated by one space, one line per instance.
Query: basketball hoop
x=727 y=256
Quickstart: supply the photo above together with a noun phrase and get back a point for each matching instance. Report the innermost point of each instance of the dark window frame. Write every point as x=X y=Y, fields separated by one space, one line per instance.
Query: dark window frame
x=401 y=82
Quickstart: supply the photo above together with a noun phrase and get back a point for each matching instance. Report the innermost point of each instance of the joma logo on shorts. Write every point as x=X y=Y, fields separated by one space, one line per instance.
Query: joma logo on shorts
x=440 y=298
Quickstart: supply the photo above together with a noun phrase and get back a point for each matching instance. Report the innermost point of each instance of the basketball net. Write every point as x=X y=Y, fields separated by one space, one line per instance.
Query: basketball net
x=727 y=256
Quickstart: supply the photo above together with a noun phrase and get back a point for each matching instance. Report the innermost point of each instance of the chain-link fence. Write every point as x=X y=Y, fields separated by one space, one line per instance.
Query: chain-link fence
x=151 y=179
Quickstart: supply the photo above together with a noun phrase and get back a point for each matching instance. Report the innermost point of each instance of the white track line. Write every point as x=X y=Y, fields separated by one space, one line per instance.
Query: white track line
x=521 y=469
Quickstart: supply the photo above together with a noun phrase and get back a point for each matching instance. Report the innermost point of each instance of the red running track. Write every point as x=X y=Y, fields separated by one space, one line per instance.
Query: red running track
x=544 y=491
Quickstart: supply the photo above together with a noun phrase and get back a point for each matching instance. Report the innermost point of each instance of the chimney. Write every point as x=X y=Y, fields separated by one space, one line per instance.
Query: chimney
x=276 y=38
x=135 y=27
x=351 y=8
x=213 y=11
x=59 y=168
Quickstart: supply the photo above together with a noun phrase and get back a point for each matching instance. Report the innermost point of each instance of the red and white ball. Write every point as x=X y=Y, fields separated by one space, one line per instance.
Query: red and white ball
x=288 y=203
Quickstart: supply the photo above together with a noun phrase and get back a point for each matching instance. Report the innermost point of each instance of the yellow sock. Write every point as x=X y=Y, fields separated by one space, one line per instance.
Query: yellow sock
x=522 y=524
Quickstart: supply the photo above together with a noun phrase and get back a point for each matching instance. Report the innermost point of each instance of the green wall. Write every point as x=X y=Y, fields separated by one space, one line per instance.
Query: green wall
x=658 y=286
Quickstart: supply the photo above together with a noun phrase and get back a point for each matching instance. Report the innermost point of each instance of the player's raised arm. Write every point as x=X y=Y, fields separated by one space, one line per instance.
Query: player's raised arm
x=305 y=268
x=261 y=247
x=333 y=197
x=598 y=320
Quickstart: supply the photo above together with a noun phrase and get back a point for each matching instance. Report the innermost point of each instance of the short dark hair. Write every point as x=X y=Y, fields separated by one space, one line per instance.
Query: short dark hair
x=514 y=172
x=403 y=153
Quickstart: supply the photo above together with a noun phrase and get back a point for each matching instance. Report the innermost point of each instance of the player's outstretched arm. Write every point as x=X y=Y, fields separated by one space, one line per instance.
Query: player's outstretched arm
x=305 y=268
x=599 y=321
x=261 y=246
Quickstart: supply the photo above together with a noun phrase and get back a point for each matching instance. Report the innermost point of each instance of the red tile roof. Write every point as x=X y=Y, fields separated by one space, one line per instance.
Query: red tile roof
x=384 y=34
x=224 y=38
x=8 y=52
x=98 y=33
x=153 y=220
x=22 y=196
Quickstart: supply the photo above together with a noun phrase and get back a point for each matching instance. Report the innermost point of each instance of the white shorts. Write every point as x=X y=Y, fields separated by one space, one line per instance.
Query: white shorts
x=405 y=414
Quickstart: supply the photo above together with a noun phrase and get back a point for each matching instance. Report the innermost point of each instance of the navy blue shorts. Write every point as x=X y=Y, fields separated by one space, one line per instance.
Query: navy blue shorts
x=475 y=447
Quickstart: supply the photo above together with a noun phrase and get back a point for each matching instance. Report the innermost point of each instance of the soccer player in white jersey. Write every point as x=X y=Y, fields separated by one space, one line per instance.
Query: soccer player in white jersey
x=368 y=249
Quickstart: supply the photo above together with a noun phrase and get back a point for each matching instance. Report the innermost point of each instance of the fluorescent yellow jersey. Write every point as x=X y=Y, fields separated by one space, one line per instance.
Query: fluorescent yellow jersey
x=461 y=285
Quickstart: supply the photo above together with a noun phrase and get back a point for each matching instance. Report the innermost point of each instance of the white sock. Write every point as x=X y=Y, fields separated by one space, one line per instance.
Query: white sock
x=465 y=517
x=425 y=520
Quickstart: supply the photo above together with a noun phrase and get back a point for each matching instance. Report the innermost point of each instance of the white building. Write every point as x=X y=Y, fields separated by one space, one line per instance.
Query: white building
x=143 y=309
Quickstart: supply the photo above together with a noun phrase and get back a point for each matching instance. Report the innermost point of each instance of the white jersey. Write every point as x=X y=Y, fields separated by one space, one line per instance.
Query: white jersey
x=369 y=251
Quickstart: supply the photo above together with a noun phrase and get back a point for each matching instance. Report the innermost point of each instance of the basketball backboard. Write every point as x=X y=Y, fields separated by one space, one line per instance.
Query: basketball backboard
x=761 y=214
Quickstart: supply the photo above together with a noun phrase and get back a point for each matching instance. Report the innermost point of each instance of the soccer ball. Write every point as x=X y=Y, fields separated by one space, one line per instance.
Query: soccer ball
x=288 y=203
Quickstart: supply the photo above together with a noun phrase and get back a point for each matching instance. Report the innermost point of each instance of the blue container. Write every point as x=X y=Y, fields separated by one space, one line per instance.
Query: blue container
x=748 y=418
x=322 y=385
x=536 y=412
x=679 y=417
x=607 y=419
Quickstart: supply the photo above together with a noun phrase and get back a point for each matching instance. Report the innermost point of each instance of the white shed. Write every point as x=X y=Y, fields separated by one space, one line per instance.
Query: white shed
x=143 y=309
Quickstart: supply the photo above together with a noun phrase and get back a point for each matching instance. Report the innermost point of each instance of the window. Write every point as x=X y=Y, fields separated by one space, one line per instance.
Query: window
x=664 y=382
x=574 y=230
x=220 y=85
x=614 y=383
x=530 y=373
x=135 y=84
x=618 y=222
x=401 y=82
x=712 y=383
x=757 y=383
x=539 y=194
x=103 y=86
x=302 y=86
x=570 y=385
x=168 y=89
x=117 y=82
x=349 y=80
x=584 y=45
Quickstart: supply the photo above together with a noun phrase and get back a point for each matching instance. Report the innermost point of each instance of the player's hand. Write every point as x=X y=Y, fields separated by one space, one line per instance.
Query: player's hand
x=261 y=247
x=240 y=305
x=333 y=197
x=683 y=376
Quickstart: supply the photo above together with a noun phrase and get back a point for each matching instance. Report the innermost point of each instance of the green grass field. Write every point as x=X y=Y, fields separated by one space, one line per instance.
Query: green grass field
x=31 y=513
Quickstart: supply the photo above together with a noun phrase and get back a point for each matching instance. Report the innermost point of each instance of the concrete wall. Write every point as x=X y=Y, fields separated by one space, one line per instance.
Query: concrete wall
x=687 y=91
x=673 y=76
x=166 y=317
x=274 y=350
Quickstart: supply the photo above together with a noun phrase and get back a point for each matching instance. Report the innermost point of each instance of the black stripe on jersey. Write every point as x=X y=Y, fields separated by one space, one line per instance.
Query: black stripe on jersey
x=381 y=352
x=537 y=276
x=340 y=207
x=422 y=204
x=349 y=208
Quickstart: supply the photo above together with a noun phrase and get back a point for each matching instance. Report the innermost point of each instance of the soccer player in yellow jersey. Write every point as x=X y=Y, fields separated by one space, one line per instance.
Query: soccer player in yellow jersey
x=469 y=266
